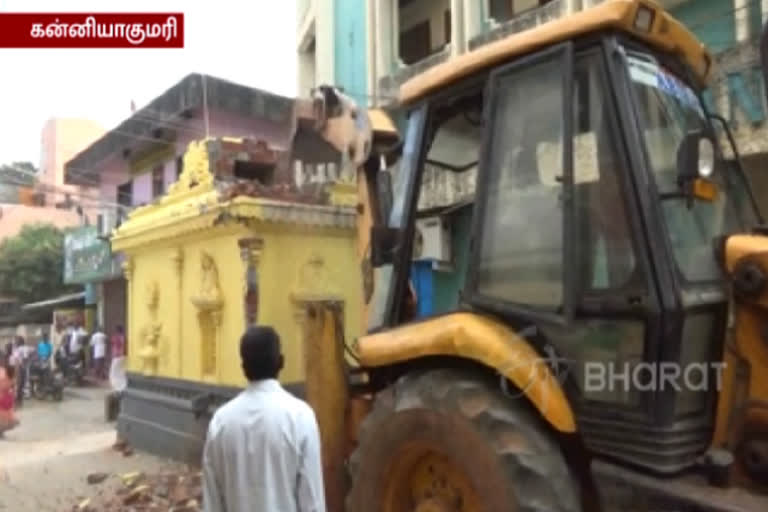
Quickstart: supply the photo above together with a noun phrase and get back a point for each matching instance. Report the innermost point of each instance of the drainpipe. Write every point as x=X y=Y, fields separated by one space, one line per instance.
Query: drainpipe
x=741 y=19
x=205 y=109
x=373 y=49
x=457 y=42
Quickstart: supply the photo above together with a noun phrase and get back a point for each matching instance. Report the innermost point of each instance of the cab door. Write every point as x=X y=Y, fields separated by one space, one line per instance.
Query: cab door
x=559 y=244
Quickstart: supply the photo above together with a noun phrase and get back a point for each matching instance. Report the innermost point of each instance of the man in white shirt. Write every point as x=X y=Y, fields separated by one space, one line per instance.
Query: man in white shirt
x=262 y=452
x=99 y=342
x=73 y=339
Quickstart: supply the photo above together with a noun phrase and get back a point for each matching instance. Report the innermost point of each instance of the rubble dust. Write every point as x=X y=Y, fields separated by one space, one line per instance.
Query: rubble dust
x=138 y=492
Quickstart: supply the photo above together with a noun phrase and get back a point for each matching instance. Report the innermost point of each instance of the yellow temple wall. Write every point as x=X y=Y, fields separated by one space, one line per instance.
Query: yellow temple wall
x=292 y=262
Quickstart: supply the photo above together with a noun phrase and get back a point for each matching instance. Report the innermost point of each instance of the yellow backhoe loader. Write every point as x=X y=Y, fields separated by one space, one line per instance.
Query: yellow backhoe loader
x=609 y=346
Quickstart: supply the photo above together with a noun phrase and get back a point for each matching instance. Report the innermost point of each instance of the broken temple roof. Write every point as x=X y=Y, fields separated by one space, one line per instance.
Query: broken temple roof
x=209 y=193
x=150 y=125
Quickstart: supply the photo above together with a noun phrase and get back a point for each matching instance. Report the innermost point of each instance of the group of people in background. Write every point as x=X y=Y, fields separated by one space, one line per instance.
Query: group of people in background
x=74 y=343
x=93 y=349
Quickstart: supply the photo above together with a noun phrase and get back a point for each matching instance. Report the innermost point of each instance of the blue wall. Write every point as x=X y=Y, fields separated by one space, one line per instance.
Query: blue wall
x=350 y=48
x=448 y=285
x=438 y=291
x=713 y=22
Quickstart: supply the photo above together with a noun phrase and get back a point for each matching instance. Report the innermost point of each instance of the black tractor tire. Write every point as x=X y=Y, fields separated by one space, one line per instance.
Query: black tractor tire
x=506 y=452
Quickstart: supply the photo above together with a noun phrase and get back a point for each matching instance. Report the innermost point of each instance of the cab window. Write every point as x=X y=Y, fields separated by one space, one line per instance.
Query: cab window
x=522 y=250
x=521 y=239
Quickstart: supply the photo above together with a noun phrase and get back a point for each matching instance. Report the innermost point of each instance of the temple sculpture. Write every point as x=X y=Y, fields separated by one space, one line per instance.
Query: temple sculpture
x=234 y=242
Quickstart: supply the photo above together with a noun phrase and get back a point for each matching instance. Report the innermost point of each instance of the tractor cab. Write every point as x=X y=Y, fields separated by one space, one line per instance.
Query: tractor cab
x=601 y=186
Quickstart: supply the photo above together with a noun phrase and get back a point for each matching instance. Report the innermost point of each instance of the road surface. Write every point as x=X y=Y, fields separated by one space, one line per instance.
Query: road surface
x=45 y=461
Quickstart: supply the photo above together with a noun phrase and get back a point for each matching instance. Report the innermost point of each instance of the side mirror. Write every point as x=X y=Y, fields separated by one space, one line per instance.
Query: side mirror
x=695 y=157
x=384 y=243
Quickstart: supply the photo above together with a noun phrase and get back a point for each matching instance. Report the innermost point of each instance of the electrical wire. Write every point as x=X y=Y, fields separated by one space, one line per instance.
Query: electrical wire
x=84 y=199
x=51 y=189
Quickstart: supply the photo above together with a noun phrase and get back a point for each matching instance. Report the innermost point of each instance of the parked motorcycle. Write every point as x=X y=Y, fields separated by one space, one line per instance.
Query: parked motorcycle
x=71 y=367
x=44 y=381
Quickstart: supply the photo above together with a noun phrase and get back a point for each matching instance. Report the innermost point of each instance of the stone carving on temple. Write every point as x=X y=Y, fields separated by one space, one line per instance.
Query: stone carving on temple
x=151 y=332
x=209 y=303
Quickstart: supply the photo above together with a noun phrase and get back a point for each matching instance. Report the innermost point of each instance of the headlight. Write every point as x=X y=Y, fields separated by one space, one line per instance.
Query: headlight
x=644 y=18
x=706 y=157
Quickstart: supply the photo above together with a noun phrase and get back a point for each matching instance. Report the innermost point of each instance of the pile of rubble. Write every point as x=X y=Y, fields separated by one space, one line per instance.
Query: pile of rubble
x=137 y=492
x=311 y=193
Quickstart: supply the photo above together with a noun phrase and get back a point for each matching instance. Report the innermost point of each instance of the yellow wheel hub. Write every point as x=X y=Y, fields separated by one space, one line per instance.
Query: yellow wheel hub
x=426 y=481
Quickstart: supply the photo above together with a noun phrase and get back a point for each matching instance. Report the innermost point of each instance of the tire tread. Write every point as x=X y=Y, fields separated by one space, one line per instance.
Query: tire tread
x=541 y=480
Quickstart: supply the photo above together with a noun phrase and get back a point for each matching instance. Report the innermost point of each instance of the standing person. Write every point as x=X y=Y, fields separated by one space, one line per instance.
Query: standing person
x=82 y=340
x=44 y=348
x=58 y=336
x=117 y=353
x=73 y=341
x=262 y=452
x=18 y=361
x=117 y=342
x=7 y=417
x=99 y=342
x=77 y=339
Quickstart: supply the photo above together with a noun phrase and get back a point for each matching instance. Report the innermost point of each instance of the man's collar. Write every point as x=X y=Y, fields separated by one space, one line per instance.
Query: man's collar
x=264 y=385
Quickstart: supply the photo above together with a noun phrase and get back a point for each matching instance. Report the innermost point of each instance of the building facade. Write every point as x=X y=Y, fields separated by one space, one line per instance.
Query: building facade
x=43 y=197
x=332 y=42
x=407 y=37
x=135 y=164
x=61 y=139
x=731 y=29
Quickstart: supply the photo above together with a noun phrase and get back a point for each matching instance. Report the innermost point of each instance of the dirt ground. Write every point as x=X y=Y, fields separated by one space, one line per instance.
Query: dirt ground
x=44 y=463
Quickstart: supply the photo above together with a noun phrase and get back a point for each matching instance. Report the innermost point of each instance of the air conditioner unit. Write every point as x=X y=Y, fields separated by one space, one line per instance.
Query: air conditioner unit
x=106 y=222
x=432 y=240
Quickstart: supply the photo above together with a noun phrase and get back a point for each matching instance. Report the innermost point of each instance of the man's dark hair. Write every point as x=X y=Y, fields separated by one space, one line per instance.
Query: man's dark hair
x=260 y=353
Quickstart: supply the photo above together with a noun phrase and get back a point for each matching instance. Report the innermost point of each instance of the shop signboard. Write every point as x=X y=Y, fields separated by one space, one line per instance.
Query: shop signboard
x=88 y=258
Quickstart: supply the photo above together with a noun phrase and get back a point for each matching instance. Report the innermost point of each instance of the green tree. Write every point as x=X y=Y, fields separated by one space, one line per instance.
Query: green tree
x=32 y=264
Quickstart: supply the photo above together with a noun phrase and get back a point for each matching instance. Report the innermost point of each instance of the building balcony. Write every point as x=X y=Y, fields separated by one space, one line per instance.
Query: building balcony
x=479 y=26
x=389 y=85
x=494 y=31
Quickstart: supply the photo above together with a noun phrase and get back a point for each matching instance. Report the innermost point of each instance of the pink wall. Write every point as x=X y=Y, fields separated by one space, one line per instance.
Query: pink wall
x=61 y=139
x=142 y=188
x=114 y=173
x=115 y=170
x=48 y=156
